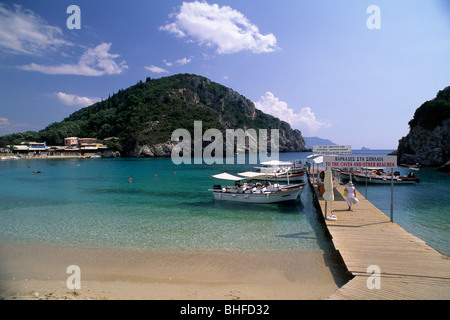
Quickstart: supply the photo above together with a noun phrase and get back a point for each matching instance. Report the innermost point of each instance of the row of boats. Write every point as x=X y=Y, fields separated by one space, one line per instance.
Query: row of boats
x=378 y=176
x=278 y=181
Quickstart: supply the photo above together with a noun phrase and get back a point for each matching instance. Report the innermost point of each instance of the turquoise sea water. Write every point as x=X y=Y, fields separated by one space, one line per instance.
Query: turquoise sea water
x=91 y=202
x=422 y=209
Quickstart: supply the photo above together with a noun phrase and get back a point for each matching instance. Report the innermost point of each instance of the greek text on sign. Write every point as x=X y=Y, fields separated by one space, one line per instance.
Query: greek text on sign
x=332 y=149
x=353 y=161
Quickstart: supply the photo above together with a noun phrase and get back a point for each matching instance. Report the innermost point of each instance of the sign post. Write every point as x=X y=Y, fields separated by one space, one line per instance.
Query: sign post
x=332 y=149
x=392 y=195
x=358 y=162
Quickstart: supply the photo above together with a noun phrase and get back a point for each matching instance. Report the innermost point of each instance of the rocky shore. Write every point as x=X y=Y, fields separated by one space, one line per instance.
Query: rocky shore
x=428 y=141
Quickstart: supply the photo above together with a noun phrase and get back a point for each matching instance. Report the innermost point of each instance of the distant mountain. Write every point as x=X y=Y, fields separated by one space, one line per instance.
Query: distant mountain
x=315 y=141
x=144 y=116
x=428 y=140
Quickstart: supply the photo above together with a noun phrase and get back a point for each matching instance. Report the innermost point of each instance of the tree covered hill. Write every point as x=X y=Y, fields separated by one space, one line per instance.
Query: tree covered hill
x=147 y=113
x=428 y=140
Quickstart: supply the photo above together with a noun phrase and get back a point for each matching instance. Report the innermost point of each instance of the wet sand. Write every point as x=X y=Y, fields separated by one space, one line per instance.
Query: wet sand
x=40 y=272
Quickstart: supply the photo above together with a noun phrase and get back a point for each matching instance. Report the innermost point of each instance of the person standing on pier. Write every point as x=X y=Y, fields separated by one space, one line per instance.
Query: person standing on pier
x=350 y=192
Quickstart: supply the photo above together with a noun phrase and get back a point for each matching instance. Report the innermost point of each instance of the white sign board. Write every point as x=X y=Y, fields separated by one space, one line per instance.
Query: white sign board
x=332 y=149
x=357 y=161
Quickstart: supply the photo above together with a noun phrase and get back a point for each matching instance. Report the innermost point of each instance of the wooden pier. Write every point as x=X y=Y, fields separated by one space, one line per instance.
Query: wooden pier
x=408 y=267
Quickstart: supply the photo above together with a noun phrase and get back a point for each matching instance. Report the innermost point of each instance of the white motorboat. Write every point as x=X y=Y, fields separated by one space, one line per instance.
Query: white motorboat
x=255 y=192
x=284 y=171
x=415 y=167
x=344 y=174
x=377 y=176
x=380 y=177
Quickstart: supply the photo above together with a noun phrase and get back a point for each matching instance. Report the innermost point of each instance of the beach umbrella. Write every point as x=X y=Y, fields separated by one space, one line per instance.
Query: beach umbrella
x=328 y=195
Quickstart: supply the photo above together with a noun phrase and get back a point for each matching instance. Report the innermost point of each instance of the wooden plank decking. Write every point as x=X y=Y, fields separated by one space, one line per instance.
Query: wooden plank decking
x=409 y=268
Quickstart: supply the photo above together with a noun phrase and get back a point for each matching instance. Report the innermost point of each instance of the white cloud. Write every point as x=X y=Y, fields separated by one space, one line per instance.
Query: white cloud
x=156 y=69
x=4 y=122
x=94 y=62
x=74 y=100
x=181 y=62
x=7 y=126
x=184 y=61
x=306 y=119
x=24 y=32
x=222 y=27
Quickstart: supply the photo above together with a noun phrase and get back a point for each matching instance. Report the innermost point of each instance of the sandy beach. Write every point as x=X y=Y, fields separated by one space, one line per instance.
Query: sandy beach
x=38 y=271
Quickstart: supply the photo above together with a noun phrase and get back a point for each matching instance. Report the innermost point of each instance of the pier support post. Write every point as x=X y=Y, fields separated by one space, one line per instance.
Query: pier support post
x=392 y=195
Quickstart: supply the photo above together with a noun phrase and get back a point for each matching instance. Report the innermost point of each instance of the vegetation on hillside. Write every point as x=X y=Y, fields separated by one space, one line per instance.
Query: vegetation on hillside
x=148 y=113
x=431 y=113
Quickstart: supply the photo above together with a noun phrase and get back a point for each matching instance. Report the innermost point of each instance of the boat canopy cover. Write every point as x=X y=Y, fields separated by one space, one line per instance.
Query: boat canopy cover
x=277 y=163
x=318 y=160
x=254 y=175
x=227 y=176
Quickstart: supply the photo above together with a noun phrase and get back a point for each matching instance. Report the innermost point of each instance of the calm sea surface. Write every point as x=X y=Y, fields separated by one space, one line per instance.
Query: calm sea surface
x=91 y=202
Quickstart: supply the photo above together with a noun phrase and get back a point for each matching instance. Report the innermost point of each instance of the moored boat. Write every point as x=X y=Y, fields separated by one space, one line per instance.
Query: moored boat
x=380 y=177
x=415 y=167
x=284 y=171
x=255 y=192
x=377 y=176
x=344 y=174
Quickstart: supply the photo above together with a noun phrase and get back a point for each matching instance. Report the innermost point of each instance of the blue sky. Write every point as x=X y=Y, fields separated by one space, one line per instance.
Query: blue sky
x=314 y=64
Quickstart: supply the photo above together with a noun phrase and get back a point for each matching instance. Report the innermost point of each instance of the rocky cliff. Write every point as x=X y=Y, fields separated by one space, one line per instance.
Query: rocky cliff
x=144 y=116
x=428 y=141
x=222 y=108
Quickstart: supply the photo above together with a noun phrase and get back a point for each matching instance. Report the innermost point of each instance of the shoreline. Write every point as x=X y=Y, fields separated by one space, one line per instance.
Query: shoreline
x=14 y=157
x=38 y=271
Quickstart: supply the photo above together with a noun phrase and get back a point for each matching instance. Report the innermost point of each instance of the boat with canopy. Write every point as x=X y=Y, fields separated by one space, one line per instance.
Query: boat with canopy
x=245 y=190
x=284 y=170
x=378 y=176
